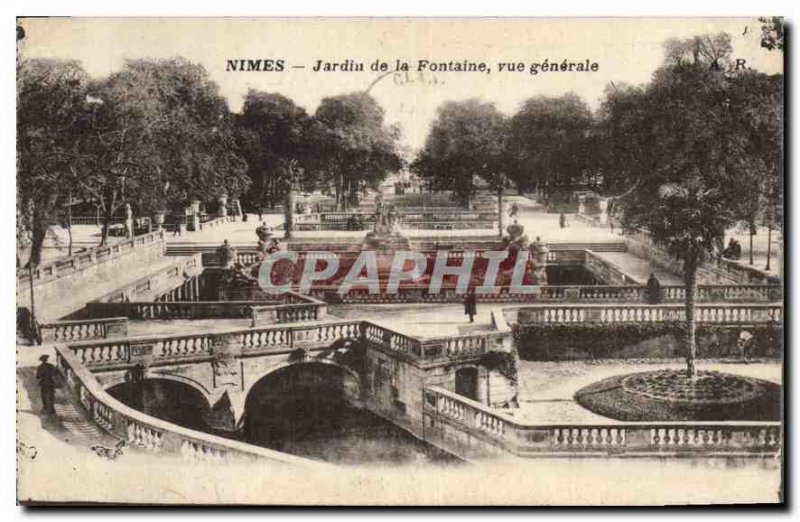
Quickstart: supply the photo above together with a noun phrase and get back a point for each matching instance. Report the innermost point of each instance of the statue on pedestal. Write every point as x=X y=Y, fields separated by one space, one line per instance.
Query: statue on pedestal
x=385 y=234
x=516 y=237
x=540 y=251
x=128 y=220
x=227 y=254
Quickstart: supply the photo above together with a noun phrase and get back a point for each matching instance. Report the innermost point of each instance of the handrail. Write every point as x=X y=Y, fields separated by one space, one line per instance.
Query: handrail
x=560 y=293
x=612 y=437
x=718 y=313
x=146 y=432
x=294 y=309
x=68 y=265
x=85 y=329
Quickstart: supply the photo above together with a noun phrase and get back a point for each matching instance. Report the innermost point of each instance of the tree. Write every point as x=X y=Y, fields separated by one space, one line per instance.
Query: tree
x=51 y=118
x=161 y=136
x=548 y=139
x=711 y=50
x=772 y=33
x=468 y=140
x=682 y=200
x=755 y=131
x=353 y=147
x=273 y=134
x=623 y=132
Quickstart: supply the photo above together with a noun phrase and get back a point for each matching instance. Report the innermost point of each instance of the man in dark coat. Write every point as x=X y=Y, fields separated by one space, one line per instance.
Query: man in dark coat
x=471 y=305
x=46 y=375
x=653 y=289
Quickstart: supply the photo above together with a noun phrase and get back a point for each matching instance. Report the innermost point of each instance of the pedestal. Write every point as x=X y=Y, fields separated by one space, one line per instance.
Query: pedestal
x=222 y=211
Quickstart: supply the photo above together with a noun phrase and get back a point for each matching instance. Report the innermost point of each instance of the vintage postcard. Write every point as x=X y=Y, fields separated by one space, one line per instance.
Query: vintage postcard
x=400 y=261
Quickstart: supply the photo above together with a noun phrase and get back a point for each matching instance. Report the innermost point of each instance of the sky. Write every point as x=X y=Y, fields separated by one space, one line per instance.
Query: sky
x=626 y=50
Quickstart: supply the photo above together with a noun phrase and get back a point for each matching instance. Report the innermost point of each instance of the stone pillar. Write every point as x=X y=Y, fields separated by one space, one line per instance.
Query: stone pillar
x=291 y=197
x=159 y=218
x=602 y=203
x=223 y=206
x=539 y=251
x=581 y=205
x=483 y=386
x=128 y=220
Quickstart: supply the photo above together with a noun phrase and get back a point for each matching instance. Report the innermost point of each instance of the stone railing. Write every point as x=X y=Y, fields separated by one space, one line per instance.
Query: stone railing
x=599 y=246
x=162 y=310
x=95 y=220
x=669 y=294
x=65 y=266
x=417 y=218
x=723 y=313
x=418 y=293
x=245 y=256
x=60 y=331
x=615 y=438
x=215 y=222
x=183 y=348
x=433 y=349
x=746 y=273
x=147 y=433
x=607 y=270
x=157 y=283
x=291 y=307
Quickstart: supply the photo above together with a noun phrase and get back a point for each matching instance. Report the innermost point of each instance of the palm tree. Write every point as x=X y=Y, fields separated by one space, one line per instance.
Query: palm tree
x=687 y=219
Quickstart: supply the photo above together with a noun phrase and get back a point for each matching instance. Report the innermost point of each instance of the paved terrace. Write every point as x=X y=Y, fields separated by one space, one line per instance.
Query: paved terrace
x=547 y=389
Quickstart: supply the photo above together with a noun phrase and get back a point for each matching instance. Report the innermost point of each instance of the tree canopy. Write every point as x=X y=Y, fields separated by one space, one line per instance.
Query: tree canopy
x=353 y=148
x=468 y=140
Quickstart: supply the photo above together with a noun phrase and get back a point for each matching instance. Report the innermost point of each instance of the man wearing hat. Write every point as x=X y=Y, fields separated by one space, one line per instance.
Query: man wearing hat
x=46 y=375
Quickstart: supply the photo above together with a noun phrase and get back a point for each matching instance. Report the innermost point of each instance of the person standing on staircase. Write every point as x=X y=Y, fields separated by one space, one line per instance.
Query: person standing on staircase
x=46 y=374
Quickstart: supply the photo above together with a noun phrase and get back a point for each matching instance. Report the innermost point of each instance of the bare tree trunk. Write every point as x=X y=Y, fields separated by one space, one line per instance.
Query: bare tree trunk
x=106 y=225
x=690 y=282
x=769 y=245
x=69 y=226
x=289 y=213
x=752 y=229
x=500 y=212
x=37 y=242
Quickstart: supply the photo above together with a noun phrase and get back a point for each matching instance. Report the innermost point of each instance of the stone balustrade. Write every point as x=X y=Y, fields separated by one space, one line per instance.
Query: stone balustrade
x=723 y=313
x=184 y=348
x=60 y=331
x=434 y=349
x=392 y=340
x=417 y=293
x=147 y=433
x=417 y=218
x=154 y=285
x=210 y=258
x=65 y=266
x=295 y=307
x=215 y=222
x=168 y=349
x=632 y=438
x=745 y=273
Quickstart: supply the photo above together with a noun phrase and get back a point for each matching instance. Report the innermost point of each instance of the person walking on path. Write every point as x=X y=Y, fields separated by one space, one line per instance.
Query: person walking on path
x=513 y=210
x=562 y=220
x=46 y=375
x=471 y=305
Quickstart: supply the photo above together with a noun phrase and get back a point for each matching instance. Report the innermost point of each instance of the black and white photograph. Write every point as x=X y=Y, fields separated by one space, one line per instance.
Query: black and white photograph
x=400 y=261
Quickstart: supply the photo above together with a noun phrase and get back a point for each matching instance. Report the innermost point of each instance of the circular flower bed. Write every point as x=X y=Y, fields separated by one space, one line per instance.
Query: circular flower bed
x=670 y=395
x=706 y=387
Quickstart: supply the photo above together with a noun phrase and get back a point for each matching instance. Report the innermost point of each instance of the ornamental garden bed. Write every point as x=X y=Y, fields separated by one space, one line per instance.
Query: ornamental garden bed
x=670 y=395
